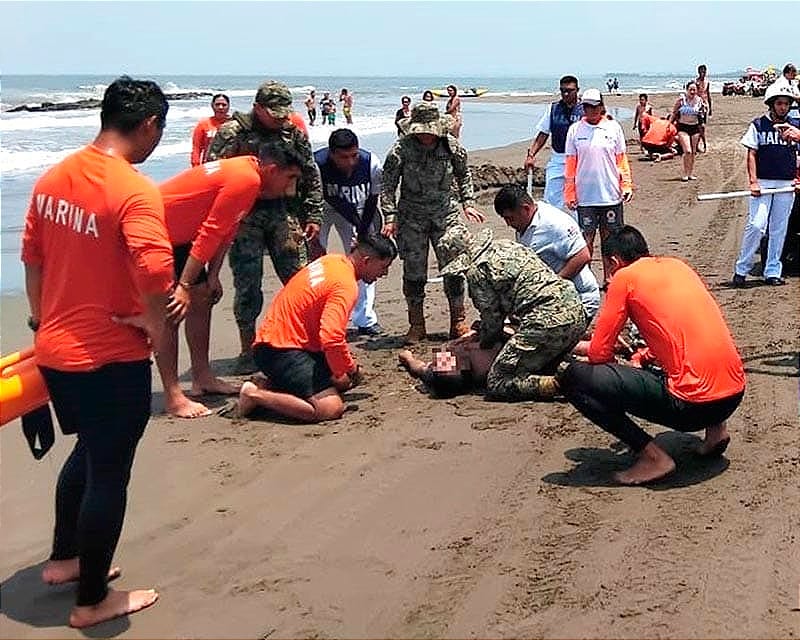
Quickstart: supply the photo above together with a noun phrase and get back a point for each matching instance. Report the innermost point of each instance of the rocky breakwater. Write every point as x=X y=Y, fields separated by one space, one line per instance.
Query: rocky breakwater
x=92 y=103
x=490 y=176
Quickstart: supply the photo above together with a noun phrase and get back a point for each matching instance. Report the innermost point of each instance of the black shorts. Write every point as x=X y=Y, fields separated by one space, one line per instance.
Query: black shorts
x=608 y=218
x=301 y=373
x=689 y=129
x=180 y=254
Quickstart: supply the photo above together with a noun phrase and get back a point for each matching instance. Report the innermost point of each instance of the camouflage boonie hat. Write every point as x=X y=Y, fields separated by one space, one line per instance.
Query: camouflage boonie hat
x=459 y=248
x=276 y=98
x=425 y=118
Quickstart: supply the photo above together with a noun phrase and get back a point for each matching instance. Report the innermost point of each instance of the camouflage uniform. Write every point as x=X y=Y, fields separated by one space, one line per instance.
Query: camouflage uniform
x=425 y=209
x=272 y=224
x=506 y=279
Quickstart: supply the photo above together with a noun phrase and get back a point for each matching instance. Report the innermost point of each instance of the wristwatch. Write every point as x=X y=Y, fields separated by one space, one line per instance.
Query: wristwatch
x=33 y=325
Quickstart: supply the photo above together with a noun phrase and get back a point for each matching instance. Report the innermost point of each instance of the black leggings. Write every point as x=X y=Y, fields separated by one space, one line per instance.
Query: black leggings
x=605 y=393
x=108 y=409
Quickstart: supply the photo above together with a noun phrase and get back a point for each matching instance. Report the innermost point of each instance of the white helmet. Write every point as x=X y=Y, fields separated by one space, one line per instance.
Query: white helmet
x=778 y=90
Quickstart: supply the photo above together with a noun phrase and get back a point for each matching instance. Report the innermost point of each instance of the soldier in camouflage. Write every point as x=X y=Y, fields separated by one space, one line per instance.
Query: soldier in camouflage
x=427 y=159
x=508 y=280
x=273 y=225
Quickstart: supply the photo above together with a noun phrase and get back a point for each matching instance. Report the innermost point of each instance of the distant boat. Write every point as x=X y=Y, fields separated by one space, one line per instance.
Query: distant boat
x=472 y=92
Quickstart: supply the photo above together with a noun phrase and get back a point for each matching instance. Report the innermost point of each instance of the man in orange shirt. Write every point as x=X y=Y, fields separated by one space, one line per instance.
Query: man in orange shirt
x=302 y=344
x=96 y=249
x=659 y=138
x=206 y=129
x=203 y=207
x=703 y=378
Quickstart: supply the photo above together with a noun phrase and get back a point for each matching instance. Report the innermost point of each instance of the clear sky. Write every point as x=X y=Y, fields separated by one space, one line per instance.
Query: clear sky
x=392 y=38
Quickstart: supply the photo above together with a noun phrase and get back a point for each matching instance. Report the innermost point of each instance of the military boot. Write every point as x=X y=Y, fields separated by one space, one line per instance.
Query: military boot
x=458 y=319
x=416 y=321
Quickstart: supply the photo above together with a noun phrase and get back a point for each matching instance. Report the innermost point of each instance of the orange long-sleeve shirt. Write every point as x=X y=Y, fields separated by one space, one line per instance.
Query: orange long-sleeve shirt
x=312 y=310
x=681 y=323
x=96 y=228
x=202 y=136
x=205 y=204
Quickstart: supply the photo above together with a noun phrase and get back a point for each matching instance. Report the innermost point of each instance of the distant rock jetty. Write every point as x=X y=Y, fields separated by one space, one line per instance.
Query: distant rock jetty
x=91 y=103
x=490 y=176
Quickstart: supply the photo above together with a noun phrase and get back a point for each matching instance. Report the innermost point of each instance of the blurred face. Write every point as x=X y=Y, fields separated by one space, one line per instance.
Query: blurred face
x=427 y=96
x=345 y=160
x=444 y=362
x=790 y=75
x=267 y=120
x=593 y=113
x=426 y=139
x=451 y=91
x=406 y=104
x=701 y=71
x=520 y=218
x=781 y=107
x=643 y=101
x=220 y=107
x=278 y=182
x=691 y=90
x=372 y=267
x=569 y=92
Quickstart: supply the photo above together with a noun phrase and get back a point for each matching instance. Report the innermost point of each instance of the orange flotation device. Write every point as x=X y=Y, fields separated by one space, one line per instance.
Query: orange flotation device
x=22 y=388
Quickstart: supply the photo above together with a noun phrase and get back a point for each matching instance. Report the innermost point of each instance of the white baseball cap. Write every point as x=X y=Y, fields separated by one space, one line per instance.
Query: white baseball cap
x=592 y=97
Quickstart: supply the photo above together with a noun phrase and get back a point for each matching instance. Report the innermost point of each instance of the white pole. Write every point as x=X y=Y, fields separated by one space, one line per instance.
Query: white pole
x=742 y=194
x=530 y=182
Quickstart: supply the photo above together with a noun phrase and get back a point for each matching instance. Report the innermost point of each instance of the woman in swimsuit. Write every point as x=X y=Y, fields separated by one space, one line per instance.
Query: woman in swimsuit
x=686 y=116
x=453 y=108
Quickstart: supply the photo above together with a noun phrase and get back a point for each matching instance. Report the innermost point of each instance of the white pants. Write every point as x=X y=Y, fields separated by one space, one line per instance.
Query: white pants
x=767 y=212
x=363 y=313
x=554 y=182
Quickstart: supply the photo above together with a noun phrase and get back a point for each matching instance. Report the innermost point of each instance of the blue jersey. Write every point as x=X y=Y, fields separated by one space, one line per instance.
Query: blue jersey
x=776 y=159
x=354 y=197
x=561 y=117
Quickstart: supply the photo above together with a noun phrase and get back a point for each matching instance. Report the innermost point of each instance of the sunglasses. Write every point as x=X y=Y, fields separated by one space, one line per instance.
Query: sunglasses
x=567 y=90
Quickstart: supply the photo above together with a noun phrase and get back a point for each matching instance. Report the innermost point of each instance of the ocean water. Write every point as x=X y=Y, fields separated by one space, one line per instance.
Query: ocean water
x=32 y=142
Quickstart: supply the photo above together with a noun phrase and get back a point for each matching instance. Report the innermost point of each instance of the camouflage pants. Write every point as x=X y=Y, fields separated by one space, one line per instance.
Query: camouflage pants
x=268 y=227
x=533 y=349
x=416 y=232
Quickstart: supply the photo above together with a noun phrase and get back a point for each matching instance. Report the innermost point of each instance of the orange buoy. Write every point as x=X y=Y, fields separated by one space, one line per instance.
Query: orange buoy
x=22 y=388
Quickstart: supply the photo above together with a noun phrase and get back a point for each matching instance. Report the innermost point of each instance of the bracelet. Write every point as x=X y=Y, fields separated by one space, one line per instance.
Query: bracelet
x=184 y=284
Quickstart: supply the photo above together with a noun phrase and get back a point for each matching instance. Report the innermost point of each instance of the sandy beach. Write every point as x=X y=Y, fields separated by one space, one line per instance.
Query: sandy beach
x=416 y=518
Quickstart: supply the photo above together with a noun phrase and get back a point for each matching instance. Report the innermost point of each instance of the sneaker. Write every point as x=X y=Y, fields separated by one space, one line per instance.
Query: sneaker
x=372 y=331
x=738 y=281
x=692 y=177
x=775 y=282
x=685 y=179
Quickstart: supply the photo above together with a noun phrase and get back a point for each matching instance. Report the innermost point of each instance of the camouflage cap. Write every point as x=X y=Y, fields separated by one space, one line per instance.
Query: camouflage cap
x=425 y=118
x=458 y=248
x=276 y=98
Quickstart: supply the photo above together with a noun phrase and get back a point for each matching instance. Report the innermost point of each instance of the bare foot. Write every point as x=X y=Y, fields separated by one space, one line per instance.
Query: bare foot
x=114 y=605
x=212 y=386
x=716 y=441
x=246 y=403
x=653 y=464
x=63 y=571
x=405 y=357
x=182 y=407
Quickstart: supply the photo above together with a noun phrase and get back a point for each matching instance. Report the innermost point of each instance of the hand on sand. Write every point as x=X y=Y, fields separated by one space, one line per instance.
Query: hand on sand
x=114 y=605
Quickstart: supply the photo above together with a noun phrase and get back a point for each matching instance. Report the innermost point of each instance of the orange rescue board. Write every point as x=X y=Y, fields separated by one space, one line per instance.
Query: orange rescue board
x=22 y=388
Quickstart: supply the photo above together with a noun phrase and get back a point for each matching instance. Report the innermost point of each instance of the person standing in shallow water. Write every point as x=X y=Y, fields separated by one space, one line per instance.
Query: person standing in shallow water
x=453 y=109
x=79 y=278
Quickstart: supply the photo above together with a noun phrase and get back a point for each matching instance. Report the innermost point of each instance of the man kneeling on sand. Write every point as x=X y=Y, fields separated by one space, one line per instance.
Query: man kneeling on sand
x=302 y=344
x=203 y=207
x=703 y=379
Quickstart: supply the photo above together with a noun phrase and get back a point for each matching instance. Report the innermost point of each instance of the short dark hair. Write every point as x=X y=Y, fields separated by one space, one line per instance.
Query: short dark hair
x=643 y=95
x=342 y=139
x=789 y=68
x=448 y=385
x=128 y=102
x=690 y=83
x=282 y=155
x=377 y=245
x=702 y=67
x=453 y=87
x=511 y=196
x=568 y=80
x=220 y=95
x=628 y=244
x=406 y=99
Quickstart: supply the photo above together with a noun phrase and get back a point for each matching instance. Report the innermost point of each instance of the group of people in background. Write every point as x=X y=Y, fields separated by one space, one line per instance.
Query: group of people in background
x=327 y=107
x=154 y=252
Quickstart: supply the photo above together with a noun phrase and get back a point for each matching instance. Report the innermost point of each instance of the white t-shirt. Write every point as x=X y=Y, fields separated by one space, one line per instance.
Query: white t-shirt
x=597 y=179
x=555 y=237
